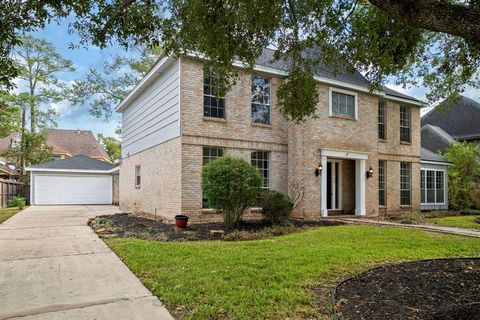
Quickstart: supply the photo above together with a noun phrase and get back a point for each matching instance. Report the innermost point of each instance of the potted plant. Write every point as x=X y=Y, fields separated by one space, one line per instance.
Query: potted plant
x=181 y=221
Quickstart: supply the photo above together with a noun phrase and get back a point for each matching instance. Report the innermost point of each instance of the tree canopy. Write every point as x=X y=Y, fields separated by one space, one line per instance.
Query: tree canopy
x=434 y=43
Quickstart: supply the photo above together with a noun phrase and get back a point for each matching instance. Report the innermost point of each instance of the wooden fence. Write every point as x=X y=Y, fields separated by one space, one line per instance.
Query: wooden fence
x=11 y=188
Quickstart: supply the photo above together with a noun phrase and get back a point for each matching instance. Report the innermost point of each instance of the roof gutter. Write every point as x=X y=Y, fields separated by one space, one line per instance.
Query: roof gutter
x=161 y=65
x=33 y=169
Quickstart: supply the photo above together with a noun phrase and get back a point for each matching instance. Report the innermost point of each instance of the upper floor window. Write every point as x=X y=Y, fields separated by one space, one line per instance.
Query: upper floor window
x=405 y=124
x=381 y=182
x=212 y=105
x=405 y=183
x=432 y=185
x=137 y=177
x=343 y=103
x=382 y=110
x=260 y=100
x=209 y=154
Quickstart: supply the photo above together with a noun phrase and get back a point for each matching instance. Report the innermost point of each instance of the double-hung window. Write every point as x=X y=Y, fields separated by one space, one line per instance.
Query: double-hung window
x=405 y=124
x=381 y=182
x=137 y=177
x=209 y=154
x=382 y=113
x=432 y=185
x=213 y=106
x=261 y=161
x=343 y=103
x=405 y=183
x=261 y=89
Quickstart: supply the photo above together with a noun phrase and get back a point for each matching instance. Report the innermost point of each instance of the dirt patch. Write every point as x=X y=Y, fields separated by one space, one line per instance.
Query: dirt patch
x=129 y=225
x=428 y=289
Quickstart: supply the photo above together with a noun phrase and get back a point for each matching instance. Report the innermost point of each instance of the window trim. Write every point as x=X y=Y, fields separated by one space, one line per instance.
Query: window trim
x=224 y=118
x=138 y=174
x=382 y=103
x=330 y=102
x=409 y=124
x=384 y=180
x=435 y=186
x=409 y=164
x=269 y=105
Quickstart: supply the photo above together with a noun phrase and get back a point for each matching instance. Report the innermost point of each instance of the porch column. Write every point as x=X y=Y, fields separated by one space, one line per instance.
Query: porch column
x=323 y=187
x=360 y=173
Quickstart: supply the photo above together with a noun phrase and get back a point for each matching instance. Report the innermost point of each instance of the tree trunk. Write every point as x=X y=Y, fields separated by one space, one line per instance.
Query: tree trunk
x=22 y=143
x=434 y=15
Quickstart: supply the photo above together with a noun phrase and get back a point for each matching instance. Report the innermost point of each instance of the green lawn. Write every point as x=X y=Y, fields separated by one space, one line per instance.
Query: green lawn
x=6 y=213
x=271 y=278
x=457 y=221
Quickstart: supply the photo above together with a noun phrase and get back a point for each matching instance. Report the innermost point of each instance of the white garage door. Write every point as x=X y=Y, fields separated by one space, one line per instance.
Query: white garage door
x=72 y=189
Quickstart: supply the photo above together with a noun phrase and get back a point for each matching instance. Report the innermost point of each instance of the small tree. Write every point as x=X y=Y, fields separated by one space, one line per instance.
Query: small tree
x=463 y=174
x=231 y=185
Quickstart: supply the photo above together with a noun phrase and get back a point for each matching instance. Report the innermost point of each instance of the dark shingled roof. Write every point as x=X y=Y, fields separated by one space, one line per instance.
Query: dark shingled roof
x=435 y=139
x=340 y=74
x=427 y=155
x=460 y=119
x=79 y=162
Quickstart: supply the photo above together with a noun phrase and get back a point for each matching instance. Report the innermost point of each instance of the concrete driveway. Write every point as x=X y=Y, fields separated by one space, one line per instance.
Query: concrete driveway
x=53 y=266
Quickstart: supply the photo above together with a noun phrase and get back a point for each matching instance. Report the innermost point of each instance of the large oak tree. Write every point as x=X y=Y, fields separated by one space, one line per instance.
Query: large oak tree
x=430 y=42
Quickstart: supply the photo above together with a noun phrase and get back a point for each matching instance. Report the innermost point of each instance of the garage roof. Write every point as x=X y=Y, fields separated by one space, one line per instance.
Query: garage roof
x=77 y=163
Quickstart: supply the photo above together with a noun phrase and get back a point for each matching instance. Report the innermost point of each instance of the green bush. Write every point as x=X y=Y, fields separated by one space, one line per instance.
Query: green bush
x=17 y=202
x=463 y=174
x=231 y=185
x=276 y=207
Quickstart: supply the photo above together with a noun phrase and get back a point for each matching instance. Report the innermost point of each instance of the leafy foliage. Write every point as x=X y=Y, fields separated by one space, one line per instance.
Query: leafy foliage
x=17 y=202
x=276 y=207
x=33 y=149
x=432 y=42
x=112 y=146
x=231 y=185
x=463 y=174
x=9 y=118
x=102 y=90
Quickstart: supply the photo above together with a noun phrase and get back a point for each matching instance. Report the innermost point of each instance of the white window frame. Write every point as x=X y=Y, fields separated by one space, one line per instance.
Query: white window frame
x=434 y=186
x=138 y=174
x=330 y=100
x=269 y=105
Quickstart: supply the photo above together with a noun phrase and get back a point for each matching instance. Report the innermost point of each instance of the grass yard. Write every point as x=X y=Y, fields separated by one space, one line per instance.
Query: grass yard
x=6 y=213
x=457 y=221
x=273 y=278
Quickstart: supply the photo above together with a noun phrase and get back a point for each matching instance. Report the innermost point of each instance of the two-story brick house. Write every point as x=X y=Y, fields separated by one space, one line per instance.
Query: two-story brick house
x=360 y=155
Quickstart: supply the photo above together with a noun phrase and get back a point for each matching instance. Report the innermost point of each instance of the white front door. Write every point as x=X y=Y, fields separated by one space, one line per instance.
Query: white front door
x=334 y=185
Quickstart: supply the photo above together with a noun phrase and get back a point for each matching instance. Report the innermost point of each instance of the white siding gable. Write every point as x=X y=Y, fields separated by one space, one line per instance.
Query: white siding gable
x=153 y=116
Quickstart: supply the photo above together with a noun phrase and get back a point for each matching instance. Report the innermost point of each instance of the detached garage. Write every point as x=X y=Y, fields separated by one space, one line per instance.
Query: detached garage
x=76 y=180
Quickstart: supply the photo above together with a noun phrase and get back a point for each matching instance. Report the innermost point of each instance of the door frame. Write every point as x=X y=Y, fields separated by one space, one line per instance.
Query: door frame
x=333 y=164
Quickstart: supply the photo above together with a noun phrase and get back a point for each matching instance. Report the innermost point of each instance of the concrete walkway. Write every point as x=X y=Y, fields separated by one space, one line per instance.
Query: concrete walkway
x=53 y=266
x=439 y=229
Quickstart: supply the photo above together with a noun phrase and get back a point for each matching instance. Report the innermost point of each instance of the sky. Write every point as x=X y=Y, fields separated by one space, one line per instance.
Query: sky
x=77 y=117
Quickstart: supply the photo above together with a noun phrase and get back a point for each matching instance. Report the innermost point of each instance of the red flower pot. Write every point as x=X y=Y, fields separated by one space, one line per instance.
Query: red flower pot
x=181 y=221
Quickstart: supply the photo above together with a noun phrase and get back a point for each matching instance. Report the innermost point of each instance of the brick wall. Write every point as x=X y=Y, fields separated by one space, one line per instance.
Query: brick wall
x=160 y=190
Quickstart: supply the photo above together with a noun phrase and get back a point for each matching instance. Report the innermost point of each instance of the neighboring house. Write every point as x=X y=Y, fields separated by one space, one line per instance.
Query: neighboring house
x=8 y=171
x=75 y=180
x=461 y=119
x=66 y=143
x=360 y=155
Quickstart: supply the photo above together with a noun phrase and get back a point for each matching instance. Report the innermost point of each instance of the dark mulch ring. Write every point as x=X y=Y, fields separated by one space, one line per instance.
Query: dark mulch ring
x=125 y=225
x=428 y=289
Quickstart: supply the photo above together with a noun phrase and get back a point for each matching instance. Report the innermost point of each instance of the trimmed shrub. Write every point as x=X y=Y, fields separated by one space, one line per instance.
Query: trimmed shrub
x=276 y=207
x=17 y=202
x=231 y=185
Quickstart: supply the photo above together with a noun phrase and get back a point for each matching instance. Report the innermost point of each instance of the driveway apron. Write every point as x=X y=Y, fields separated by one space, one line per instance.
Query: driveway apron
x=53 y=266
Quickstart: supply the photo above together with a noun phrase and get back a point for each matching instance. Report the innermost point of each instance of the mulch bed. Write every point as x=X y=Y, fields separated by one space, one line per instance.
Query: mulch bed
x=125 y=225
x=427 y=289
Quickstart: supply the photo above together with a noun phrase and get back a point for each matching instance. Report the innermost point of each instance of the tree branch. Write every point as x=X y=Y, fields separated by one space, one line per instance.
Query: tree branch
x=439 y=16
x=124 y=5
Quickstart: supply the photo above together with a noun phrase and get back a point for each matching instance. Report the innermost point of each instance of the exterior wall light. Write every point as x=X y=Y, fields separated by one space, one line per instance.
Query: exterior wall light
x=318 y=170
x=370 y=173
